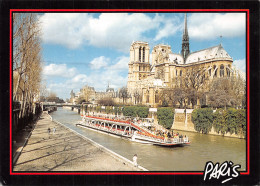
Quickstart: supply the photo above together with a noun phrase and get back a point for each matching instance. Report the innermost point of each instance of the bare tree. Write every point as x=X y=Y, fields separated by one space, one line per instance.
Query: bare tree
x=227 y=91
x=219 y=98
x=80 y=100
x=44 y=93
x=137 y=93
x=195 y=78
x=88 y=92
x=194 y=81
x=52 y=97
x=175 y=96
x=107 y=101
x=26 y=59
x=123 y=93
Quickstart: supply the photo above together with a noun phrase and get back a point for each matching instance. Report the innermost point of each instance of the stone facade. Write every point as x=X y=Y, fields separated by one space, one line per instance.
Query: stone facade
x=91 y=96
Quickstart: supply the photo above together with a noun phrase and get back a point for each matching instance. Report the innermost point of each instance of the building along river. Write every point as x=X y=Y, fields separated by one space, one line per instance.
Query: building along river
x=203 y=148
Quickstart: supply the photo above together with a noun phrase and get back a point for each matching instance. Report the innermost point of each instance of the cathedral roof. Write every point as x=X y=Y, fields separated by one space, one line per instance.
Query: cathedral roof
x=176 y=58
x=216 y=52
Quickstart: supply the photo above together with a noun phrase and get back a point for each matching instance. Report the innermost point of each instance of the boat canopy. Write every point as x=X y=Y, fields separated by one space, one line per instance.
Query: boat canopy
x=110 y=122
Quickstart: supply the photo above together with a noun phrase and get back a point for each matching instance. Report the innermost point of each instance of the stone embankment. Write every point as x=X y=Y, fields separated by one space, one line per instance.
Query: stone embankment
x=64 y=150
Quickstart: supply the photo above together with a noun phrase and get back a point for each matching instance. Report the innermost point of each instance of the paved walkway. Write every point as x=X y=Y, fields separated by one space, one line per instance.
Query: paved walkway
x=64 y=151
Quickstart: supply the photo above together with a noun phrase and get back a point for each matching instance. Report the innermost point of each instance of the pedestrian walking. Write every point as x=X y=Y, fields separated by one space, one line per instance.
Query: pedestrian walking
x=49 y=130
x=135 y=160
x=54 y=130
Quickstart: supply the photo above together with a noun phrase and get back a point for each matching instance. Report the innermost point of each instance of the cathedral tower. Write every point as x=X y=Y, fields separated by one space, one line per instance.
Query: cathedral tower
x=185 y=41
x=139 y=66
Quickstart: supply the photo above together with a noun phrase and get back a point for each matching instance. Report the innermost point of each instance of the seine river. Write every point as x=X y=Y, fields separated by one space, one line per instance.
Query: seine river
x=203 y=148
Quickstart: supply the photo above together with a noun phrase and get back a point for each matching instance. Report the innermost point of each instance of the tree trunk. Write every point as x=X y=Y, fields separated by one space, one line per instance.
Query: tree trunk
x=21 y=106
x=17 y=85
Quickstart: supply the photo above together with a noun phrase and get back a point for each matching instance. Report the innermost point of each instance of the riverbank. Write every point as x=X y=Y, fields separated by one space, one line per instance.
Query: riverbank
x=189 y=127
x=183 y=122
x=64 y=150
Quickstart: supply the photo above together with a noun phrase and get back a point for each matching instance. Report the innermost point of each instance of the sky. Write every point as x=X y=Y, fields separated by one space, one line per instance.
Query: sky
x=93 y=48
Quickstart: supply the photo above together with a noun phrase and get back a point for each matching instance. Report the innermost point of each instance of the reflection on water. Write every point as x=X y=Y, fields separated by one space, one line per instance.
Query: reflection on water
x=203 y=148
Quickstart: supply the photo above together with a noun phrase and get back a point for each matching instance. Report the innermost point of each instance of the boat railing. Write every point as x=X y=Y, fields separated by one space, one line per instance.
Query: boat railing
x=180 y=140
x=108 y=128
x=151 y=136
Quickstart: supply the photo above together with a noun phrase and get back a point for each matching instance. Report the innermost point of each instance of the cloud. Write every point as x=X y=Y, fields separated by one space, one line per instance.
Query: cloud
x=115 y=74
x=62 y=89
x=99 y=62
x=122 y=63
x=169 y=26
x=118 y=30
x=60 y=70
x=80 y=78
x=240 y=64
x=213 y=25
x=111 y=30
x=108 y=30
x=64 y=29
x=100 y=81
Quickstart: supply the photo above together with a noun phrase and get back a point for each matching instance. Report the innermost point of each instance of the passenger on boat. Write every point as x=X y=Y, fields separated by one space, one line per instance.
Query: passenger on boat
x=186 y=139
x=181 y=138
x=165 y=137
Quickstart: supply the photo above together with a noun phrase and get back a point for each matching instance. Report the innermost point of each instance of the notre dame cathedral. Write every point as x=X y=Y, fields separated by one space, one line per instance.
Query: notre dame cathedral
x=147 y=78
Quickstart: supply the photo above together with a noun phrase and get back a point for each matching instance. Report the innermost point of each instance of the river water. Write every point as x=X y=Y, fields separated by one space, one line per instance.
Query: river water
x=203 y=148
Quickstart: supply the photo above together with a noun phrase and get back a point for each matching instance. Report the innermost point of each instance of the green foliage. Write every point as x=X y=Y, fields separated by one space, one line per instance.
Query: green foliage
x=129 y=111
x=98 y=108
x=231 y=120
x=115 y=110
x=142 y=112
x=135 y=111
x=241 y=121
x=202 y=119
x=109 y=109
x=219 y=122
x=165 y=117
x=119 y=110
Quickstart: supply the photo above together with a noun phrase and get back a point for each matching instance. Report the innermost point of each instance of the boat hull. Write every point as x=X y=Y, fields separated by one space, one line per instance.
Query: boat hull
x=132 y=136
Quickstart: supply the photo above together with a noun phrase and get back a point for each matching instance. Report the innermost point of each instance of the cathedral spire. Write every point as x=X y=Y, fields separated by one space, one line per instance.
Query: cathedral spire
x=185 y=40
x=185 y=25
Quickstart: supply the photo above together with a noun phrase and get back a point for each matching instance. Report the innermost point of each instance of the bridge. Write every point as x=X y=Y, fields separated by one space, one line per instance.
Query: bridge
x=52 y=106
x=60 y=104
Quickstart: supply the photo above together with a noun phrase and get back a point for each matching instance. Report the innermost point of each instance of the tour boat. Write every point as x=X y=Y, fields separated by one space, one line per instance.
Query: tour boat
x=129 y=130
